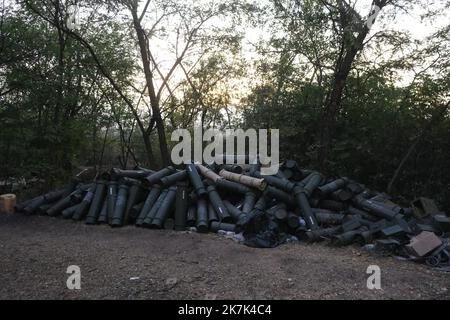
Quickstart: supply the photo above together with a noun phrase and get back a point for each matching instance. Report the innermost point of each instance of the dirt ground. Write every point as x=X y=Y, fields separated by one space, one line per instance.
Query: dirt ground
x=132 y=263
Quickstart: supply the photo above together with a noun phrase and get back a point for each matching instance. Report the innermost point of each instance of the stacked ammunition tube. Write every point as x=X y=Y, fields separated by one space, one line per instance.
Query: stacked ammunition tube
x=224 y=197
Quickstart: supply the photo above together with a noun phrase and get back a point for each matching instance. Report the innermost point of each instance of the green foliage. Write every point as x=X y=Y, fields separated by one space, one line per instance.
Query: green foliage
x=52 y=97
x=59 y=110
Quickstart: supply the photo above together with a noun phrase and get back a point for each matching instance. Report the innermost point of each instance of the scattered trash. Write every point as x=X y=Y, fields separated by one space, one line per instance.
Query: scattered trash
x=241 y=204
x=369 y=247
x=423 y=244
x=292 y=239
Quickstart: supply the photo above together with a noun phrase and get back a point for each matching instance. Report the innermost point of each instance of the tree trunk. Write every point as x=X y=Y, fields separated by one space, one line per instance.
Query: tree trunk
x=154 y=103
x=61 y=66
x=353 y=45
x=103 y=71
x=332 y=108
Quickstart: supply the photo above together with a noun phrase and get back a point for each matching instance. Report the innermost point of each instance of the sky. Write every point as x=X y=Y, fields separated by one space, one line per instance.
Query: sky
x=409 y=22
x=406 y=22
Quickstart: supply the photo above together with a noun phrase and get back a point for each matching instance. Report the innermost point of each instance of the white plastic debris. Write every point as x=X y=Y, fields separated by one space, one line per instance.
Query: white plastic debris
x=369 y=247
x=292 y=239
x=238 y=237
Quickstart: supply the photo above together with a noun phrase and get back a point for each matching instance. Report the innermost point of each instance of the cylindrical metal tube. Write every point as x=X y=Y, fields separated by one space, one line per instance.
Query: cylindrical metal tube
x=157 y=176
x=56 y=195
x=282 y=196
x=260 y=184
x=133 y=174
x=291 y=164
x=249 y=202
x=342 y=195
x=42 y=210
x=280 y=174
x=364 y=237
x=166 y=208
x=282 y=184
x=217 y=226
x=298 y=176
x=169 y=224
x=152 y=197
x=134 y=197
x=357 y=212
x=234 y=212
x=191 y=216
x=288 y=173
x=347 y=237
x=208 y=173
x=303 y=204
x=355 y=188
x=202 y=216
x=320 y=234
x=174 y=178
x=70 y=200
x=332 y=186
x=152 y=213
x=33 y=205
x=212 y=215
x=103 y=217
x=196 y=181
x=279 y=212
x=19 y=207
x=218 y=205
x=391 y=206
x=332 y=205
x=312 y=184
x=50 y=197
x=135 y=210
x=328 y=217
x=231 y=186
x=254 y=168
x=234 y=168
x=97 y=202
x=119 y=207
x=381 y=197
x=111 y=198
x=261 y=204
x=181 y=206
x=69 y=212
x=293 y=220
x=374 y=208
x=148 y=171
x=83 y=208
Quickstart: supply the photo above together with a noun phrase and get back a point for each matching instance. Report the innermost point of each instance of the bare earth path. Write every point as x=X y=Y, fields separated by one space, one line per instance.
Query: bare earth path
x=36 y=251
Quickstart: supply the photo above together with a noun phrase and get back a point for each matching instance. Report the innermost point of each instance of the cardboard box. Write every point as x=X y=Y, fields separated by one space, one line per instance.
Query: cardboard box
x=423 y=244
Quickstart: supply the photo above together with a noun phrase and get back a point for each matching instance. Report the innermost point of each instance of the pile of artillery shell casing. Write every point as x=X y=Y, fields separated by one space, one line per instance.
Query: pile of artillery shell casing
x=219 y=197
